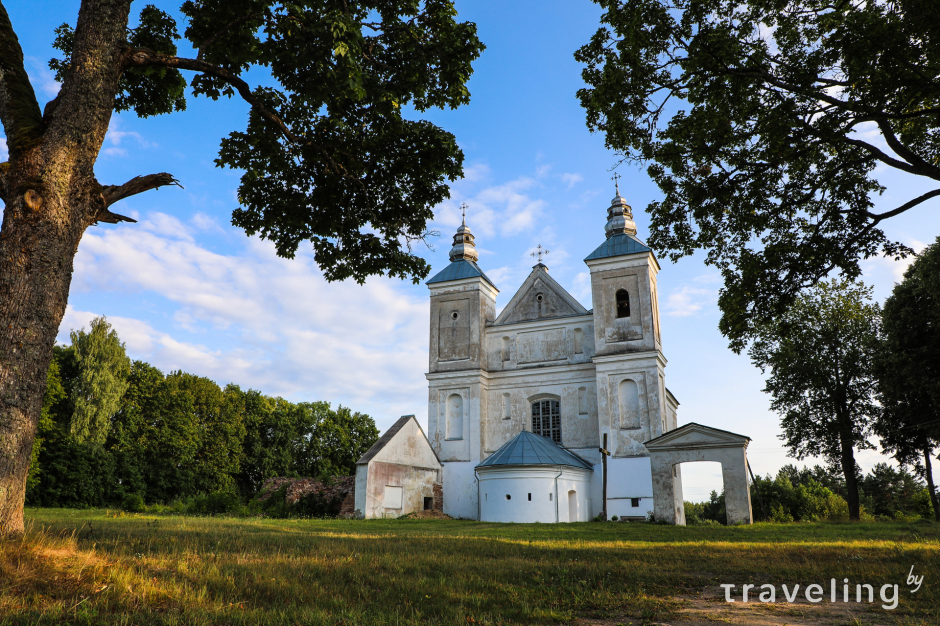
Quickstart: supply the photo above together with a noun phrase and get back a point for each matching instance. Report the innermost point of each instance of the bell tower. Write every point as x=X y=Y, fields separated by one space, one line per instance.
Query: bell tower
x=463 y=301
x=632 y=400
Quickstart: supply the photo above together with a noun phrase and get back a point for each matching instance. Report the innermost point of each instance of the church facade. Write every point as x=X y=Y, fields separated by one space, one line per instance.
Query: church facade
x=547 y=366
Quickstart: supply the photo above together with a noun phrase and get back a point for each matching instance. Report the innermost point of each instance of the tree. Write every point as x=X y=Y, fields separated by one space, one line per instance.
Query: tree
x=96 y=393
x=820 y=355
x=328 y=155
x=908 y=369
x=753 y=118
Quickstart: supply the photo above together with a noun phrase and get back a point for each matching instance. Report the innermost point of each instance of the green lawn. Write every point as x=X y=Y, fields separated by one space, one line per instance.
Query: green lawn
x=91 y=567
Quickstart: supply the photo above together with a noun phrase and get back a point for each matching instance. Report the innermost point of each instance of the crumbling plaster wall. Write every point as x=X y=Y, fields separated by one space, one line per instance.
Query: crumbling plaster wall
x=459 y=312
x=639 y=332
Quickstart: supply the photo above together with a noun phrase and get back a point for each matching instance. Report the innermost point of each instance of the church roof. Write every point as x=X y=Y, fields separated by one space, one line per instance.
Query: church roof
x=461 y=268
x=618 y=245
x=555 y=301
x=530 y=449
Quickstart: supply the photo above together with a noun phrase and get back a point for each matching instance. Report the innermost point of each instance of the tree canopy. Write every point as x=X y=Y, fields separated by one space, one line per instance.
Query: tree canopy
x=908 y=368
x=100 y=382
x=820 y=356
x=328 y=155
x=762 y=122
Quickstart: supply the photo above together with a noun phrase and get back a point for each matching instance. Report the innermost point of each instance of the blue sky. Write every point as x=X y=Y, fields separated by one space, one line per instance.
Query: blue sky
x=186 y=290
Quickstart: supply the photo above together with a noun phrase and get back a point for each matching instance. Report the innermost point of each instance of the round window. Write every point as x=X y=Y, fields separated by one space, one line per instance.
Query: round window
x=508 y=497
x=539 y=297
x=454 y=315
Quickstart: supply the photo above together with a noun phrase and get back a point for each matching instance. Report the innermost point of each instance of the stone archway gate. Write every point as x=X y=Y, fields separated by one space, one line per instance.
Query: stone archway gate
x=694 y=442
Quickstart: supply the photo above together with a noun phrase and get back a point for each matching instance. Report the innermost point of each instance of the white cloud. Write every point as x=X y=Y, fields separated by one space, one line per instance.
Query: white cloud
x=571 y=179
x=4 y=153
x=258 y=320
x=42 y=79
x=505 y=209
x=895 y=269
x=206 y=223
x=115 y=137
x=690 y=299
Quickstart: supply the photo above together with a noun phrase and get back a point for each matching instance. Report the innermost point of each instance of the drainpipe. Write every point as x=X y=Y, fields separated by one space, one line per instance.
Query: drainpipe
x=479 y=504
x=560 y=471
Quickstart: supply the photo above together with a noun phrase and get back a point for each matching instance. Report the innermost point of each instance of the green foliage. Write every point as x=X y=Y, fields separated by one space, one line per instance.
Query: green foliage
x=329 y=155
x=707 y=513
x=296 y=440
x=182 y=439
x=747 y=112
x=96 y=392
x=133 y=503
x=820 y=355
x=815 y=494
x=908 y=368
x=53 y=397
x=150 y=90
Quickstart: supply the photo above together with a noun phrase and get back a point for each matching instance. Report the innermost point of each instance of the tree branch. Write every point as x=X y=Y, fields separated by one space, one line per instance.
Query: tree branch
x=139 y=184
x=19 y=110
x=906 y=153
x=142 y=57
x=904 y=207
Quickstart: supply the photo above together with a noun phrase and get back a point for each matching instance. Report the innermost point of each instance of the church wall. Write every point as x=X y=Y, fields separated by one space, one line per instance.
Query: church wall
x=638 y=332
x=459 y=312
x=525 y=345
x=471 y=389
x=575 y=388
x=630 y=427
x=548 y=486
x=460 y=490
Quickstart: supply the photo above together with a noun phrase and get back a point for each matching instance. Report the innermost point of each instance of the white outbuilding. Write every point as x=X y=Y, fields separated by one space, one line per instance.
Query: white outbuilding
x=531 y=478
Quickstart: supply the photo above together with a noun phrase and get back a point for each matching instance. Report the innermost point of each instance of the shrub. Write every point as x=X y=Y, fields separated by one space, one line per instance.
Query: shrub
x=133 y=503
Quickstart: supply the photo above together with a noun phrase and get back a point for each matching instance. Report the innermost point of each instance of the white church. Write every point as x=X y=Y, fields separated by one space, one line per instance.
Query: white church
x=519 y=404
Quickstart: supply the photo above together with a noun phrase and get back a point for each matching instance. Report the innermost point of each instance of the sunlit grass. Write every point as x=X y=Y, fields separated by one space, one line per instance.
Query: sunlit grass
x=89 y=567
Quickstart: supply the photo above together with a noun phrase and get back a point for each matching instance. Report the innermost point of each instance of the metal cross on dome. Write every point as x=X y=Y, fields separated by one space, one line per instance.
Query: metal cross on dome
x=463 y=211
x=539 y=252
x=616 y=178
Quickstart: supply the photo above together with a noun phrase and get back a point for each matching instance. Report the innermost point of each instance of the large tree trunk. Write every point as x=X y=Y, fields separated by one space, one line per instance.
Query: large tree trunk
x=51 y=197
x=847 y=460
x=928 y=472
x=36 y=252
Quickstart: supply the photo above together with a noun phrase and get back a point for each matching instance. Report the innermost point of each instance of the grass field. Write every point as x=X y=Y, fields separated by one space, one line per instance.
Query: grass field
x=95 y=567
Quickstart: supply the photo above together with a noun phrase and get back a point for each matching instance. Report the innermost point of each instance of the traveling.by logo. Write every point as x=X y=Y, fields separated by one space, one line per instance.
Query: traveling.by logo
x=767 y=593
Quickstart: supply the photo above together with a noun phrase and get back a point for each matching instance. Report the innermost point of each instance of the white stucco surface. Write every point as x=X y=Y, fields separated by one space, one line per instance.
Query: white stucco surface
x=527 y=494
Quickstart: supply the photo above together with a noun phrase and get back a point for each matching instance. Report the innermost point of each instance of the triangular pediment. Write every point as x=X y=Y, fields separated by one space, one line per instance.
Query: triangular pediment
x=696 y=435
x=540 y=297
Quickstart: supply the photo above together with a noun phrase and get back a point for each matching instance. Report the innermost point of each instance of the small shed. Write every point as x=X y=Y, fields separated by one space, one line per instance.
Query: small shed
x=533 y=479
x=400 y=474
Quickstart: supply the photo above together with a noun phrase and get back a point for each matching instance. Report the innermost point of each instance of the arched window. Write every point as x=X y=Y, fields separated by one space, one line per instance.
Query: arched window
x=623 y=303
x=546 y=419
x=454 y=417
x=629 y=404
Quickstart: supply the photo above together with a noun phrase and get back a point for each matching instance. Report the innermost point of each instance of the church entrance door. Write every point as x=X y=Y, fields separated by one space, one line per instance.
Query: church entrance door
x=572 y=506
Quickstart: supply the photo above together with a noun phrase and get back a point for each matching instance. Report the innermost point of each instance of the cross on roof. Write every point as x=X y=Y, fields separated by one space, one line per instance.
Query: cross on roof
x=463 y=211
x=616 y=178
x=539 y=252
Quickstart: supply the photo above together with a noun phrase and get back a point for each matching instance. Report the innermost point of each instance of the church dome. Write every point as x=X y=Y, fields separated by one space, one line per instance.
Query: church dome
x=464 y=247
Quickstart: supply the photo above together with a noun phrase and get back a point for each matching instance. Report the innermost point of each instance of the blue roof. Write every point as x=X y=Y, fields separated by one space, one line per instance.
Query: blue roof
x=618 y=245
x=461 y=268
x=529 y=449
